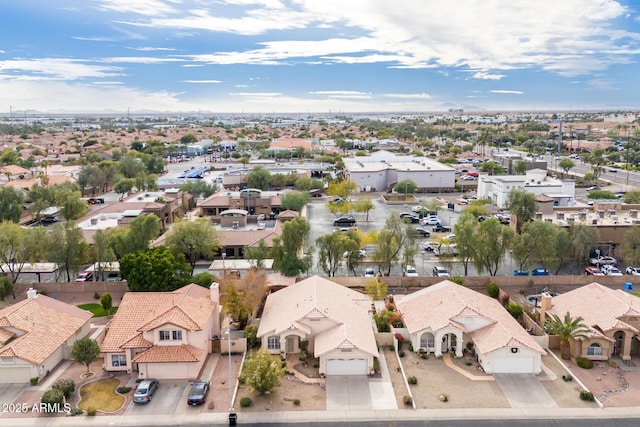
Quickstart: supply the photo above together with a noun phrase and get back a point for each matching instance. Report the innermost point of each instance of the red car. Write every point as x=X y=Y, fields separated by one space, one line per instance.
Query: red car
x=593 y=271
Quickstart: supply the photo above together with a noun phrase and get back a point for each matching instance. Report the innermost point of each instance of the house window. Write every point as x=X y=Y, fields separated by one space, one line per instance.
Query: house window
x=273 y=342
x=118 y=360
x=594 y=350
x=165 y=336
x=177 y=335
x=427 y=341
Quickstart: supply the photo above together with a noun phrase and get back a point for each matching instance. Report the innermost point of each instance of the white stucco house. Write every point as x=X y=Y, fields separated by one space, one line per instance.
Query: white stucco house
x=333 y=320
x=164 y=335
x=497 y=187
x=445 y=317
x=37 y=334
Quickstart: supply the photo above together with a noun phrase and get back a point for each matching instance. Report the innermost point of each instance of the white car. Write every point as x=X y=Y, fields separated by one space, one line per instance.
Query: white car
x=431 y=220
x=410 y=271
x=613 y=271
x=439 y=271
x=603 y=260
x=634 y=271
x=369 y=272
x=429 y=246
x=468 y=178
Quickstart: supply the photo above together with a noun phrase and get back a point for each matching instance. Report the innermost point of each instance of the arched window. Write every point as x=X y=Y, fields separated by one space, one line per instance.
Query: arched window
x=427 y=341
x=594 y=350
x=273 y=342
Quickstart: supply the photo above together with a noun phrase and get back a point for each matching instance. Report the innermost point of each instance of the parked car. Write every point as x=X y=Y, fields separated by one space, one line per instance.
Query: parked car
x=468 y=178
x=593 y=187
x=593 y=271
x=441 y=229
x=603 y=260
x=539 y=272
x=431 y=220
x=421 y=231
x=410 y=271
x=361 y=253
x=612 y=271
x=520 y=272
x=49 y=219
x=145 y=391
x=262 y=217
x=473 y=174
x=439 y=271
x=198 y=392
x=634 y=271
x=369 y=272
x=429 y=246
x=344 y=220
x=410 y=217
x=85 y=276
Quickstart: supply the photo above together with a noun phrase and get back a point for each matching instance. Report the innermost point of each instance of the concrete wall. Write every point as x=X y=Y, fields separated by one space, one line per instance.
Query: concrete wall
x=61 y=287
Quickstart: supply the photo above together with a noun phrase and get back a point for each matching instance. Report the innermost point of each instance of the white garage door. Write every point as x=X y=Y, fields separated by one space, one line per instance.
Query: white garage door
x=513 y=365
x=355 y=366
x=15 y=375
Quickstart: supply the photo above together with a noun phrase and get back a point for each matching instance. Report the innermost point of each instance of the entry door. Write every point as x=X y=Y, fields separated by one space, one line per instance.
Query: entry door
x=291 y=344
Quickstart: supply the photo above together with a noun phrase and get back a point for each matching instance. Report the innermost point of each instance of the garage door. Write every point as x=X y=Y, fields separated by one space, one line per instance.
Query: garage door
x=15 y=375
x=355 y=366
x=513 y=365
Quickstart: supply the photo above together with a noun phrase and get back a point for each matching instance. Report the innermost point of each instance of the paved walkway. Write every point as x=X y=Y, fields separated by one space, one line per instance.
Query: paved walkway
x=447 y=361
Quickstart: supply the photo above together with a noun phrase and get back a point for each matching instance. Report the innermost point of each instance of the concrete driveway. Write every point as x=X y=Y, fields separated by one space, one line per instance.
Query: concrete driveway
x=165 y=401
x=524 y=391
x=10 y=392
x=348 y=392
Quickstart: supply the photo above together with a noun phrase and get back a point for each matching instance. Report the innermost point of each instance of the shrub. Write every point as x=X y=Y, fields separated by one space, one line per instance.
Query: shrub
x=245 y=402
x=123 y=390
x=567 y=377
x=469 y=363
x=493 y=290
x=91 y=411
x=34 y=380
x=514 y=310
x=250 y=333
x=587 y=395
x=96 y=295
x=458 y=280
x=401 y=353
x=584 y=363
x=410 y=347
x=407 y=400
x=412 y=380
x=66 y=386
x=52 y=396
x=76 y=411
x=424 y=355
x=296 y=402
x=444 y=398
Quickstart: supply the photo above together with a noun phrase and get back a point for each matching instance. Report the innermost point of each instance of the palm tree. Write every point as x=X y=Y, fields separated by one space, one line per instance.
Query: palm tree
x=566 y=329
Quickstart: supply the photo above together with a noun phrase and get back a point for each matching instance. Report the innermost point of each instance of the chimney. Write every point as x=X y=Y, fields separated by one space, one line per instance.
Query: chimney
x=545 y=304
x=214 y=292
x=32 y=293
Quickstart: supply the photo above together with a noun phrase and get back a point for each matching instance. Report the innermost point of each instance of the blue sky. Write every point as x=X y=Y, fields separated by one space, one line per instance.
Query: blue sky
x=310 y=56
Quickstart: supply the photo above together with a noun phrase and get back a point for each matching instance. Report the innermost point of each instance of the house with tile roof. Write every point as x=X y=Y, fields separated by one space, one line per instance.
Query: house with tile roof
x=333 y=321
x=36 y=334
x=446 y=317
x=164 y=335
x=612 y=316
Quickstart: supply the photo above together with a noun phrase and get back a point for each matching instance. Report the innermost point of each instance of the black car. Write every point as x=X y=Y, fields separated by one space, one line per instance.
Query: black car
x=409 y=217
x=198 y=392
x=49 y=219
x=423 y=232
x=344 y=220
x=441 y=229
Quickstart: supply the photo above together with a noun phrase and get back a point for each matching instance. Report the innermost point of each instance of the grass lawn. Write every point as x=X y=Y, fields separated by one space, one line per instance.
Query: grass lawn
x=97 y=309
x=101 y=395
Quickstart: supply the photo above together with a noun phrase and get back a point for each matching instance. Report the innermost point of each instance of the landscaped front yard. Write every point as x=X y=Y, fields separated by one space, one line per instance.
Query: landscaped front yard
x=102 y=395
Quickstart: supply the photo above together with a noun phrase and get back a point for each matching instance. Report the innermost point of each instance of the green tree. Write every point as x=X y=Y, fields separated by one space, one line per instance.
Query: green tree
x=241 y=297
x=492 y=168
x=390 y=241
x=406 y=187
x=41 y=198
x=466 y=243
x=632 y=197
x=194 y=239
x=286 y=249
x=11 y=202
x=520 y=168
x=70 y=202
x=19 y=246
x=631 y=244
x=101 y=252
x=257 y=254
x=258 y=178
x=376 y=289
x=295 y=200
x=494 y=240
x=106 y=302
x=6 y=287
x=563 y=250
x=142 y=230
x=155 y=270
x=364 y=205
x=522 y=204
x=198 y=188
x=262 y=372
x=342 y=189
x=204 y=279
x=67 y=248
x=584 y=238
x=123 y=186
x=566 y=329
x=539 y=238
x=566 y=165
x=85 y=351
x=331 y=248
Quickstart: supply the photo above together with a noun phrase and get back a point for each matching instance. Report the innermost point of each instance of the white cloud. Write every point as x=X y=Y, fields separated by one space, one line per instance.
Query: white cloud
x=257 y=94
x=487 y=76
x=151 y=49
x=511 y=92
x=141 y=7
x=202 y=81
x=408 y=95
x=343 y=94
x=54 y=69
